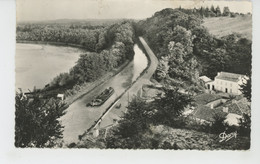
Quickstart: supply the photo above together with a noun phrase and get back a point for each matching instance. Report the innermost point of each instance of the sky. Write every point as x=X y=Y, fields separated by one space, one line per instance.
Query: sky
x=38 y=10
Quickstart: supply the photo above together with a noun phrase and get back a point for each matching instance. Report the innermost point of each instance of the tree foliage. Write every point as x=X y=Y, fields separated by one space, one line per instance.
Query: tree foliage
x=245 y=125
x=246 y=89
x=36 y=121
x=133 y=125
x=109 y=47
x=210 y=12
x=226 y=11
x=171 y=106
x=169 y=33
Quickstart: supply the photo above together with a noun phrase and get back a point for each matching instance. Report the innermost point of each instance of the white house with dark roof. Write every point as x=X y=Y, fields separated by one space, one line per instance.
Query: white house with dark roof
x=227 y=82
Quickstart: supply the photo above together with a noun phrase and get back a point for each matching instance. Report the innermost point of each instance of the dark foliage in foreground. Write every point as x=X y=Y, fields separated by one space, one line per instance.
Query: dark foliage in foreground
x=245 y=125
x=36 y=121
x=135 y=130
x=170 y=107
x=140 y=115
x=246 y=89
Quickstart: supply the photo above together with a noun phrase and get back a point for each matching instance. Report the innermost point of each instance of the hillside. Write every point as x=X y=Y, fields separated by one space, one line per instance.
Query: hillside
x=222 y=26
x=169 y=32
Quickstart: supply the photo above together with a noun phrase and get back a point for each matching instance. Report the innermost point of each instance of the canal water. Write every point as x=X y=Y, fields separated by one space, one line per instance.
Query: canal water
x=140 y=62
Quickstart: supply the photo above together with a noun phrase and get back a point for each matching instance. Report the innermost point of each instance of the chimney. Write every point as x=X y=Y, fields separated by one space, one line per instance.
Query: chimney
x=211 y=106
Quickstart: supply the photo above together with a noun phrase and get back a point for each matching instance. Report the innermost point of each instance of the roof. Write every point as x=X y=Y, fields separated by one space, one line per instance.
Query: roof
x=206 y=113
x=238 y=107
x=205 y=98
x=229 y=76
x=205 y=79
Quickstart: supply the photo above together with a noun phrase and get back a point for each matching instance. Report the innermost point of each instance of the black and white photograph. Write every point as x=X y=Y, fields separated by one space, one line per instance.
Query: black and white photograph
x=150 y=75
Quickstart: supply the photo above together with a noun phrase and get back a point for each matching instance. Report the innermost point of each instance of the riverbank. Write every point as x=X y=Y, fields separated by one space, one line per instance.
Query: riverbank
x=79 y=90
x=53 y=43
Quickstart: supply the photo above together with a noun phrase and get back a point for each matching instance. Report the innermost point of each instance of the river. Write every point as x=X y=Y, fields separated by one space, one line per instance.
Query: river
x=37 y=64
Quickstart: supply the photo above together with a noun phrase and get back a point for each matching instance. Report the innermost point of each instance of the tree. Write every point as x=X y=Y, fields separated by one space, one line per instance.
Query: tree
x=136 y=120
x=36 y=121
x=202 y=11
x=206 y=13
x=182 y=64
x=219 y=124
x=218 y=11
x=226 y=11
x=133 y=125
x=171 y=106
x=162 y=69
x=246 y=89
x=212 y=9
x=245 y=125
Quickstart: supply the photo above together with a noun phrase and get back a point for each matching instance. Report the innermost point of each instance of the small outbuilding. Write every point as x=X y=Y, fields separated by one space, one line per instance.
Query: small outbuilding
x=61 y=96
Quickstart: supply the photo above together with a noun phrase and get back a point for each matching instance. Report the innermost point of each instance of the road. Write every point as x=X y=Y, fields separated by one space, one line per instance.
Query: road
x=116 y=113
x=79 y=118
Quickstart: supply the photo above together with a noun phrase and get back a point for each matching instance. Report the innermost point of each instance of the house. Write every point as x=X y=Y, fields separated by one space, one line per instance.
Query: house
x=225 y=82
x=235 y=110
x=209 y=105
x=60 y=96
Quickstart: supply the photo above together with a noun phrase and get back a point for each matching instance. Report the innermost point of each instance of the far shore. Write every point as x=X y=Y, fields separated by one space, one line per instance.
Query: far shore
x=52 y=43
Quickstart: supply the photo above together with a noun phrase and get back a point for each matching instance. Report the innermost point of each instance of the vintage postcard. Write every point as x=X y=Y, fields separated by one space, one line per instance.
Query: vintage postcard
x=114 y=74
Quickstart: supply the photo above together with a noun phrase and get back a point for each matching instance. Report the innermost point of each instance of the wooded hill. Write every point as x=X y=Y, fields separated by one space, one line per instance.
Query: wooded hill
x=186 y=49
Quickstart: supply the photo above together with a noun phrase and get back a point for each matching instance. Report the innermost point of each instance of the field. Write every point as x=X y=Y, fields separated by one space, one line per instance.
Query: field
x=221 y=26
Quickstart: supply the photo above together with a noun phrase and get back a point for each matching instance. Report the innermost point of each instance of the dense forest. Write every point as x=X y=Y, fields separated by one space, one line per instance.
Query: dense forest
x=186 y=49
x=108 y=46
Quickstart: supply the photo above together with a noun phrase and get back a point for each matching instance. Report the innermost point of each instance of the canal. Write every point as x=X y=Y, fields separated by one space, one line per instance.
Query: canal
x=79 y=117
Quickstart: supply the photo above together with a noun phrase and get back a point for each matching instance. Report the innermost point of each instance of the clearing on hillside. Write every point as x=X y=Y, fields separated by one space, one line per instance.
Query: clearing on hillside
x=222 y=26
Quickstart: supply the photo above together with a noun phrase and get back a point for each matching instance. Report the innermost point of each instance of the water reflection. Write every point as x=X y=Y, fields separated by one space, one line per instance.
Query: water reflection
x=140 y=62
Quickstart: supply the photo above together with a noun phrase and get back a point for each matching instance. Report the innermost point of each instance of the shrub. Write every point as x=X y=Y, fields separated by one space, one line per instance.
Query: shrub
x=245 y=125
